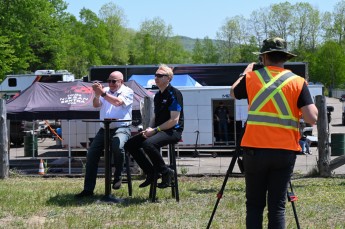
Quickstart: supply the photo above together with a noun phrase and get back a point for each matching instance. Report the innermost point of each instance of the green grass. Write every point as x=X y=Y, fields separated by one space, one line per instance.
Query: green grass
x=36 y=202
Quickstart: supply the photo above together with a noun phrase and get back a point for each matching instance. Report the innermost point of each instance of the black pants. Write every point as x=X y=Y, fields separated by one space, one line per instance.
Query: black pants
x=267 y=173
x=138 y=146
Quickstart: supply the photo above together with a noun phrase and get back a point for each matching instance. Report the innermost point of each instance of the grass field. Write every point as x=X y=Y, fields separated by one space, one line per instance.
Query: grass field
x=36 y=202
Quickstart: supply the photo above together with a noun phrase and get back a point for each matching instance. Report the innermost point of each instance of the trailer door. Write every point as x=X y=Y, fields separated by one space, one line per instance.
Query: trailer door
x=224 y=124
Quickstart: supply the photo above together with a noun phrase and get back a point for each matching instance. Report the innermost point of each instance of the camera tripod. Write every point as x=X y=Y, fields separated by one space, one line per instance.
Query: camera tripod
x=290 y=195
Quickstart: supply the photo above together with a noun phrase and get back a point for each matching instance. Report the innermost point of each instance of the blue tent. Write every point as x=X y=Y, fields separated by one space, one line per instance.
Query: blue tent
x=147 y=81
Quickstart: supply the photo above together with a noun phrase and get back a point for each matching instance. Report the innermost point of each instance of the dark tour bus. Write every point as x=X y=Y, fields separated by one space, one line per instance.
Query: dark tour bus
x=205 y=74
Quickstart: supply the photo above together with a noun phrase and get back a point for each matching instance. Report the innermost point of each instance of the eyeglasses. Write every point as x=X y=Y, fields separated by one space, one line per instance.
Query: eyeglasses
x=160 y=75
x=112 y=81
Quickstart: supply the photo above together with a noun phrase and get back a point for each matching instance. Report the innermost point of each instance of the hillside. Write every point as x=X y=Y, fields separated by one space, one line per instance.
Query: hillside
x=187 y=42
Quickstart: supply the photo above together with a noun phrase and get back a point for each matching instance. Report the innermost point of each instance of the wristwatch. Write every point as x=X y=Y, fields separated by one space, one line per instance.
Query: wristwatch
x=242 y=74
x=103 y=94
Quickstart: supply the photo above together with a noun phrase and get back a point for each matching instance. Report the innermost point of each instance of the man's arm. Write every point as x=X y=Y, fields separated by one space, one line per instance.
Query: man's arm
x=307 y=106
x=116 y=101
x=232 y=93
x=174 y=117
x=249 y=68
x=310 y=113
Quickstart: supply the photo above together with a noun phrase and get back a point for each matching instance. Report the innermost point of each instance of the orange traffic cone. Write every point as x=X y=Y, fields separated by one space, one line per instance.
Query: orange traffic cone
x=41 y=169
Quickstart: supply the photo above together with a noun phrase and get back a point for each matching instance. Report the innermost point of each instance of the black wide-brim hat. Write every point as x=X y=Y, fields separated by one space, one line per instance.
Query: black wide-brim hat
x=276 y=44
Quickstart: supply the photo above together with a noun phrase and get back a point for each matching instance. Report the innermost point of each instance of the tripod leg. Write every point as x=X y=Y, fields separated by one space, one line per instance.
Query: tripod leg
x=220 y=193
x=292 y=198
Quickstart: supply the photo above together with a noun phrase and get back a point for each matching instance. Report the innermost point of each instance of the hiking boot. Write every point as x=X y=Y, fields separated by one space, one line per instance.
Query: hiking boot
x=117 y=183
x=84 y=193
x=166 y=178
x=147 y=182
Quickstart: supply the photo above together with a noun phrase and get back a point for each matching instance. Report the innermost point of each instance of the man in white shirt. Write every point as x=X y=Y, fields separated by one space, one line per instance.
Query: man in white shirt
x=115 y=102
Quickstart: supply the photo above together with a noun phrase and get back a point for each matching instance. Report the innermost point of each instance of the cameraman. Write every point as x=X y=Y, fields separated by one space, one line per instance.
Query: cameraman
x=276 y=99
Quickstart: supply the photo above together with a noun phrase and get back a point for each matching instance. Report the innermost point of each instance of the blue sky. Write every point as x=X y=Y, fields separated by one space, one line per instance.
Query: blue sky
x=191 y=18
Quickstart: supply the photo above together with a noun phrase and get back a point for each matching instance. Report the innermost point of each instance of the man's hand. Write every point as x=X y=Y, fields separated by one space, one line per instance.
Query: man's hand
x=249 y=67
x=148 y=132
x=98 y=89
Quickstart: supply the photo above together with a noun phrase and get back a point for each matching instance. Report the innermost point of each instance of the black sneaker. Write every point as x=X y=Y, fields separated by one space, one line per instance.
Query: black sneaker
x=117 y=183
x=84 y=193
x=166 y=179
x=147 y=182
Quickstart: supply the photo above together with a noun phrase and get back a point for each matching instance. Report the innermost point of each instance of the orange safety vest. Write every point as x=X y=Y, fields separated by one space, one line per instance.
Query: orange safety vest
x=273 y=115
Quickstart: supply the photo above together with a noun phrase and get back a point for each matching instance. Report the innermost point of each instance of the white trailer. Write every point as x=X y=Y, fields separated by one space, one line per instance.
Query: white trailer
x=14 y=84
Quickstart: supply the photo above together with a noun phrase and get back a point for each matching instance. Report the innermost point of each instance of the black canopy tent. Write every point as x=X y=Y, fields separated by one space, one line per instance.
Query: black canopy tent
x=64 y=100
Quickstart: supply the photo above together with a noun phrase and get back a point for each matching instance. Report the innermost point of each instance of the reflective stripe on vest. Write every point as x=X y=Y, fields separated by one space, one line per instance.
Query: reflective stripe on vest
x=271 y=91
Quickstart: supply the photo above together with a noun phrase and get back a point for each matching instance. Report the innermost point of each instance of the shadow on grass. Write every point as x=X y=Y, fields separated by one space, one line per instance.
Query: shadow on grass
x=64 y=200
x=216 y=190
x=204 y=191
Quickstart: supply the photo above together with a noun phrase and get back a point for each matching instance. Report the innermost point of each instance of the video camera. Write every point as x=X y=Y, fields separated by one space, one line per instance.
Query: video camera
x=258 y=66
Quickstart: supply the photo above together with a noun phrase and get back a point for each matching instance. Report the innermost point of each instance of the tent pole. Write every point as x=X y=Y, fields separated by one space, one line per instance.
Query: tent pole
x=69 y=147
x=33 y=139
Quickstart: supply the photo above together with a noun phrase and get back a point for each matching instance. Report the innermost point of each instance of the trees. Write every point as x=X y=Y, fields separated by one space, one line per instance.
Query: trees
x=339 y=22
x=54 y=39
x=304 y=27
x=151 y=40
x=280 y=20
x=7 y=57
x=328 y=66
x=258 y=25
x=33 y=37
x=116 y=36
x=154 y=44
x=205 y=51
x=230 y=36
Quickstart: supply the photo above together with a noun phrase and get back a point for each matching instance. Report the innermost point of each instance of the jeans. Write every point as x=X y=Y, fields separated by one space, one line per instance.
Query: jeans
x=223 y=130
x=138 y=146
x=304 y=143
x=118 y=138
x=267 y=173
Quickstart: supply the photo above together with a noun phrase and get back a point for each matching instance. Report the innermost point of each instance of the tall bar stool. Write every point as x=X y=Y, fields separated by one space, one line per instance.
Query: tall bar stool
x=128 y=173
x=174 y=186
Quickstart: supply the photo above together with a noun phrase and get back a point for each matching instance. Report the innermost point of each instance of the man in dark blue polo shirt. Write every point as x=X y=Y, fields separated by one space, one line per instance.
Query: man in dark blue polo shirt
x=165 y=127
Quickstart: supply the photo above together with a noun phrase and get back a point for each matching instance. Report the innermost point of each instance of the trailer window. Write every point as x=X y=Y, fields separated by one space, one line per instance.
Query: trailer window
x=12 y=82
x=51 y=78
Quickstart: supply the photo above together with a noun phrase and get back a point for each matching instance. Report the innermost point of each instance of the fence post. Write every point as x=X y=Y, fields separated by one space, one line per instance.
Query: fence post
x=4 y=163
x=323 y=138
